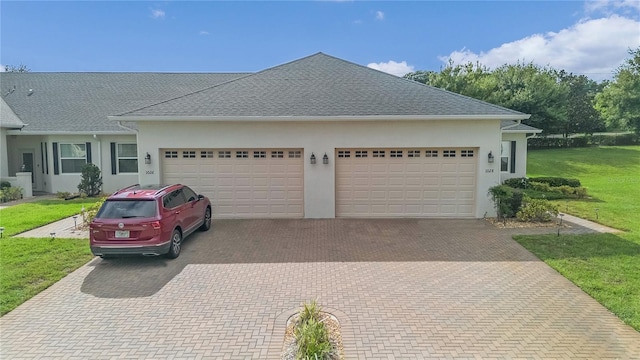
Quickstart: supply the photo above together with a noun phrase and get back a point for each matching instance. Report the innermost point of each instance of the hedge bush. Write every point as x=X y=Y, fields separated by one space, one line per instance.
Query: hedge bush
x=506 y=200
x=537 y=210
x=524 y=183
x=583 y=141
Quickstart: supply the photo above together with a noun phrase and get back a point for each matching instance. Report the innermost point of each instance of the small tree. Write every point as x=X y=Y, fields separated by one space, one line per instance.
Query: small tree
x=91 y=180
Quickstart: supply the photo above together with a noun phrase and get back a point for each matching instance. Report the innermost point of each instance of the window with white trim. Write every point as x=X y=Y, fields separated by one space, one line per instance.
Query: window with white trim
x=378 y=153
x=242 y=154
x=224 y=154
x=413 y=153
x=362 y=153
x=127 y=156
x=259 y=154
x=277 y=154
x=431 y=153
x=189 y=154
x=206 y=154
x=73 y=157
x=170 y=154
x=505 y=152
x=295 y=154
x=448 y=153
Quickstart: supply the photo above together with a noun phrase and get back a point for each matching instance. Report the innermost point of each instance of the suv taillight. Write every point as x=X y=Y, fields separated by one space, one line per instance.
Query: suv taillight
x=156 y=225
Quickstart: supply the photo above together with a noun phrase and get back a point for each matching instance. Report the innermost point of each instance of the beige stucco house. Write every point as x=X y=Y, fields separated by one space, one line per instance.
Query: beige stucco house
x=318 y=137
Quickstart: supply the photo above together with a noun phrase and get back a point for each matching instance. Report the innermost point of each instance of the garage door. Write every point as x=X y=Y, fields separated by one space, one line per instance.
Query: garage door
x=418 y=182
x=241 y=183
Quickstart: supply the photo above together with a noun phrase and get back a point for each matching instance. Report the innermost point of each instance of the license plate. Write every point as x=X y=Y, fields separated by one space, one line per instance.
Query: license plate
x=122 y=233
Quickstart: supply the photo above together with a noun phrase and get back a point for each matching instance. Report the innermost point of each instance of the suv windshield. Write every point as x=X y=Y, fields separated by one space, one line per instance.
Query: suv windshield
x=125 y=209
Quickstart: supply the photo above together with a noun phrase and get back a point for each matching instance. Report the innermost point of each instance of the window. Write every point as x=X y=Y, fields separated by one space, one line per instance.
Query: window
x=73 y=157
x=170 y=154
x=378 y=153
x=431 y=153
x=189 y=194
x=505 y=151
x=448 y=153
x=362 y=153
x=206 y=154
x=277 y=154
x=126 y=209
x=174 y=199
x=242 y=154
x=224 y=154
x=189 y=154
x=259 y=154
x=413 y=153
x=395 y=153
x=344 y=154
x=466 y=153
x=295 y=154
x=127 y=158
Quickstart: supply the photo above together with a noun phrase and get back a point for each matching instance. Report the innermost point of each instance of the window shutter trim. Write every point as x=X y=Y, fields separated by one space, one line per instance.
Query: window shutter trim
x=513 y=157
x=88 y=147
x=114 y=169
x=56 y=165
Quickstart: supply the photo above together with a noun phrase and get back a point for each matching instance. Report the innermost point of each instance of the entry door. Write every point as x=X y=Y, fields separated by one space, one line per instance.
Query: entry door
x=27 y=161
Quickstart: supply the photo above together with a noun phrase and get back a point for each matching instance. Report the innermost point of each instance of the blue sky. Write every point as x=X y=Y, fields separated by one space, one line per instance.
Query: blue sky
x=589 y=38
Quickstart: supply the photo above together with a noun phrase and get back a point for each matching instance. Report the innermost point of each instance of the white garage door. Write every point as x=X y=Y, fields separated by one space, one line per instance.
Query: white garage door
x=241 y=183
x=418 y=182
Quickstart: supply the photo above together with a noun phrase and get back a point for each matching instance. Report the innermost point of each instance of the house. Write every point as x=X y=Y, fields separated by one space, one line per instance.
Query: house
x=318 y=137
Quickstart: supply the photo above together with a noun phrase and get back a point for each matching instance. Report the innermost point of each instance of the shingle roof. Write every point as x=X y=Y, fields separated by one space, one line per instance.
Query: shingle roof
x=514 y=126
x=81 y=102
x=8 y=119
x=322 y=85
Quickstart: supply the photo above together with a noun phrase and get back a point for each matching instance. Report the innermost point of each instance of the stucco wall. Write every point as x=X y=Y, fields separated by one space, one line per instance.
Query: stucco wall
x=325 y=137
x=101 y=156
x=4 y=159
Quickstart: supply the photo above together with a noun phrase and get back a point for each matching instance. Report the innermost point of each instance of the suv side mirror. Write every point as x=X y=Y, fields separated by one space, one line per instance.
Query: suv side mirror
x=200 y=197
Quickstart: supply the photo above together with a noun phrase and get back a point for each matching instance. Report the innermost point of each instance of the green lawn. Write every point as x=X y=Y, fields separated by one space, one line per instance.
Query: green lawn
x=28 y=265
x=606 y=266
x=27 y=216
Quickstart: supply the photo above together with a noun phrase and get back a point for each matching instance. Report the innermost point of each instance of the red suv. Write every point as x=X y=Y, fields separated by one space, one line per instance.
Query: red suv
x=148 y=220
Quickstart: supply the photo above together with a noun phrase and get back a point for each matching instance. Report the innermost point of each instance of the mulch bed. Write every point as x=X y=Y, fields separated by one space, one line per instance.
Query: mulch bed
x=517 y=224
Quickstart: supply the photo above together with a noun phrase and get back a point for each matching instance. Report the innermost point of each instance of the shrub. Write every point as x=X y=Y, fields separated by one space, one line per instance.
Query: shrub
x=537 y=210
x=312 y=340
x=11 y=193
x=556 y=181
x=309 y=311
x=540 y=186
x=90 y=180
x=4 y=185
x=501 y=196
x=516 y=183
x=581 y=192
x=63 y=194
x=92 y=211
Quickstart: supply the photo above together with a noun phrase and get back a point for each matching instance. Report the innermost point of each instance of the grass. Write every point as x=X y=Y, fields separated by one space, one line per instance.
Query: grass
x=29 y=265
x=606 y=266
x=22 y=217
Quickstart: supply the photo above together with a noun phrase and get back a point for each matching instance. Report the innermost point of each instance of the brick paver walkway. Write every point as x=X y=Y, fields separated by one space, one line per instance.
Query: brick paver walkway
x=402 y=289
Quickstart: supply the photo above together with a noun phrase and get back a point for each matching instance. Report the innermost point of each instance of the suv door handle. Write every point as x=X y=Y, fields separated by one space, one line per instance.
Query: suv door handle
x=177 y=212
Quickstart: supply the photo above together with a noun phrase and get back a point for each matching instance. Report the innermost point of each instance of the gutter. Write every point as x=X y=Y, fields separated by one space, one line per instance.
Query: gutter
x=319 y=118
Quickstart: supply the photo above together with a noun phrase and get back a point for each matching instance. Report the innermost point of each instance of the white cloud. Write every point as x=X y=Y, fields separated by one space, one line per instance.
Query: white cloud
x=379 y=15
x=203 y=32
x=594 y=47
x=609 y=6
x=157 y=14
x=1 y=68
x=392 y=67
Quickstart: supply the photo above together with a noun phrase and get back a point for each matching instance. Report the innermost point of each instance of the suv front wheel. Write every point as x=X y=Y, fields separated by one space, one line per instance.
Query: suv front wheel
x=176 y=244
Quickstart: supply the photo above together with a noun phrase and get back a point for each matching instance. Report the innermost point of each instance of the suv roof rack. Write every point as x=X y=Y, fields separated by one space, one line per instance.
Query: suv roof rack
x=126 y=188
x=164 y=188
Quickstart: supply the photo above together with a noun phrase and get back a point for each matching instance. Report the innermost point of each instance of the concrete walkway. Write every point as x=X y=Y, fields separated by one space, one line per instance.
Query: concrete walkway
x=63 y=229
x=589 y=224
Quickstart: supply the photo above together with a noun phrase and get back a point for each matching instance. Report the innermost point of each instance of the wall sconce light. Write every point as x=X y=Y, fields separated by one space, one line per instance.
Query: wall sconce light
x=147 y=159
x=325 y=159
x=490 y=157
x=313 y=159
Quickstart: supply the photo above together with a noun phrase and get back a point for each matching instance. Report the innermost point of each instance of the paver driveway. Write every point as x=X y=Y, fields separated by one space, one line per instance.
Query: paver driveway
x=404 y=289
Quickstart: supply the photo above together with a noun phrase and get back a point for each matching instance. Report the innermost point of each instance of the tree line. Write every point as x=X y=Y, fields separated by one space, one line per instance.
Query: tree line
x=559 y=102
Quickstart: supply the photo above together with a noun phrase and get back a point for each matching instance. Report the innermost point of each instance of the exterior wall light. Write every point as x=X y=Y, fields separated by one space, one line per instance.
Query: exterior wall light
x=147 y=159
x=313 y=159
x=490 y=157
x=325 y=159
